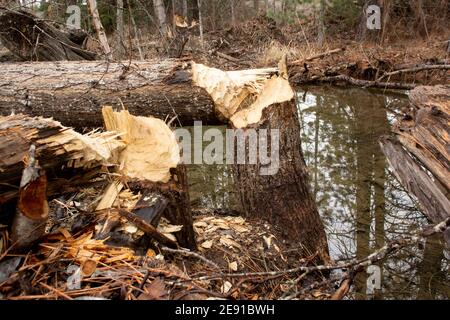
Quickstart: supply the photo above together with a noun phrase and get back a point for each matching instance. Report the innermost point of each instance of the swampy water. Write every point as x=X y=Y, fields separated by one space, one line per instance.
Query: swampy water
x=360 y=202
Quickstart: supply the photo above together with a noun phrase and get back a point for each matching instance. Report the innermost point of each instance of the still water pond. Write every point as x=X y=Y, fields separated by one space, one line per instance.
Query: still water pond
x=360 y=202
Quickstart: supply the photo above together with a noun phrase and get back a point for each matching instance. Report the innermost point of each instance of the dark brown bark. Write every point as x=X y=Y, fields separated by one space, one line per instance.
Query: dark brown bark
x=178 y=210
x=32 y=38
x=74 y=92
x=283 y=199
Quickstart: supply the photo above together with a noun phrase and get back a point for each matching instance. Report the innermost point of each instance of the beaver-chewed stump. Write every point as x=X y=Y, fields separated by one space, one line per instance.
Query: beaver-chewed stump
x=274 y=186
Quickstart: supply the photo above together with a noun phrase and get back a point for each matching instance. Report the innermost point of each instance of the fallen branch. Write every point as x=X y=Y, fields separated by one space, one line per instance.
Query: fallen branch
x=365 y=83
x=318 y=56
x=147 y=228
x=354 y=266
x=415 y=69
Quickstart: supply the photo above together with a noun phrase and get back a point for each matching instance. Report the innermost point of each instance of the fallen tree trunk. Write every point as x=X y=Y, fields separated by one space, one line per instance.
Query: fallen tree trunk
x=58 y=150
x=419 y=152
x=74 y=92
x=262 y=111
x=32 y=38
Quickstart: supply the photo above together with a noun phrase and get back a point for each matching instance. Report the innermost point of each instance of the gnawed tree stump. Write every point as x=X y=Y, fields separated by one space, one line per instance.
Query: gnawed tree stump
x=75 y=92
x=277 y=191
x=151 y=163
x=34 y=39
x=419 y=151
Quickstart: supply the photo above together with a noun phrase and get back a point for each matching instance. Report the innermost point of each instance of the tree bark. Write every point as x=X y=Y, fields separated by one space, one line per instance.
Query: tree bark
x=31 y=38
x=58 y=150
x=74 y=92
x=419 y=151
x=99 y=28
x=120 y=29
x=283 y=199
x=160 y=12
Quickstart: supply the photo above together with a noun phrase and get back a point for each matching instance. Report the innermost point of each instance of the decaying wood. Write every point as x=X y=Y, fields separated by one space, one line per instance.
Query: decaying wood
x=419 y=152
x=258 y=99
x=32 y=38
x=75 y=92
x=32 y=207
x=58 y=149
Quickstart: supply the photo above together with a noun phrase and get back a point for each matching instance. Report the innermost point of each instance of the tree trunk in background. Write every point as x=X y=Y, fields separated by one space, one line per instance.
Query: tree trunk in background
x=421 y=23
x=119 y=28
x=74 y=92
x=192 y=10
x=256 y=6
x=375 y=35
x=99 y=28
x=200 y=20
x=233 y=13
x=185 y=9
x=160 y=12
x=321 y=29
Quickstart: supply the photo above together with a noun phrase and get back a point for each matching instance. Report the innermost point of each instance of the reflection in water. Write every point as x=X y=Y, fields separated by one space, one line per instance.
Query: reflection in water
x=211 y=185
x=360 y=202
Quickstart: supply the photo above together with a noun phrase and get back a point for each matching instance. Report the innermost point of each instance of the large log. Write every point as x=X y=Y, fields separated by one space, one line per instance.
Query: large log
x=74 y=92
x=419 y=151
x=35 y=39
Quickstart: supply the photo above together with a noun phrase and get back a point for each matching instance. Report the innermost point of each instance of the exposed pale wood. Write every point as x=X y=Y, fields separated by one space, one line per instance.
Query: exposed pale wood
x=151 y=162
x=110 y=195
x=151 y=146
x=229 y=89
x=58 y=149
